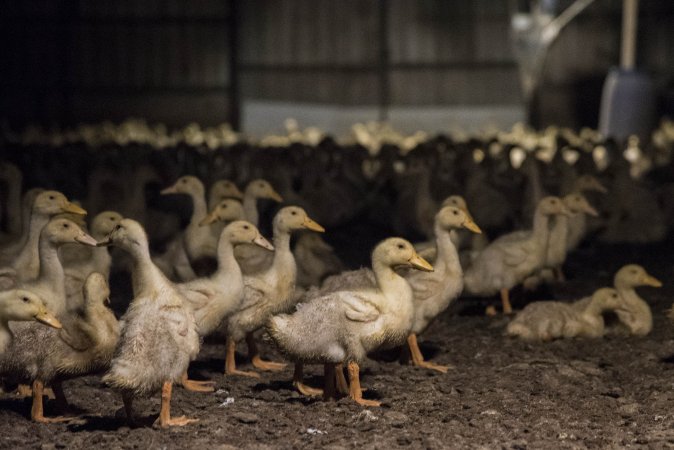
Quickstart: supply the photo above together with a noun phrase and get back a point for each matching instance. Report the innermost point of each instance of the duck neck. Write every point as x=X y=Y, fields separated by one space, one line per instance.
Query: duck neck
x=199 y=208
x=283 y=257
x=392 y=285
x=228 y=268
x=596 y=308
x=560 y=229
x=250 y=208
x=448 y=257
x=36 y=224
x=540 y=230
x=145 y=275
x=51 y=269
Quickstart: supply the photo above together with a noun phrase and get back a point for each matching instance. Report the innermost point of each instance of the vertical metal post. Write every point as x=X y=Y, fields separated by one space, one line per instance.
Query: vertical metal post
x=234 y=86
x=384 y=61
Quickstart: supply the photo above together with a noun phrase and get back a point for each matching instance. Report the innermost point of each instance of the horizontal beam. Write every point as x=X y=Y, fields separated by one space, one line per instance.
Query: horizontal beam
x=364 y=68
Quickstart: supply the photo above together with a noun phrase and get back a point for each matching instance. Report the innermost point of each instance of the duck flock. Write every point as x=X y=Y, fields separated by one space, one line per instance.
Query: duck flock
x=183 y=215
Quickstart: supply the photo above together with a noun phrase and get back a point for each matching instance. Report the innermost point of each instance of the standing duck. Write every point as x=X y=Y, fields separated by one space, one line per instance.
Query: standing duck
x=269 y=292
x=344 y=326
x=511 y=258
x=218 y=296
x=255 y=190
x=159 y=337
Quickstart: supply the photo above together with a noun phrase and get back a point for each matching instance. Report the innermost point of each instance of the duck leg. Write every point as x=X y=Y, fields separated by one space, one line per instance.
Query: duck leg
x=37 y=409
x=418 y=357
x=329 y=393
x=505 y=300
x=61 y=400
x=230 y=361
x=23 y=391
x=128 y=408
x=165 y=420
x=342 y=385
x=354 y=386
x=303 y=389
x=197 y=386
x=255 y=358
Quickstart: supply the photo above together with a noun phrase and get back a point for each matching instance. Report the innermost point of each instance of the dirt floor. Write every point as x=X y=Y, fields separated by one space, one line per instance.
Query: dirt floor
x=609 y=393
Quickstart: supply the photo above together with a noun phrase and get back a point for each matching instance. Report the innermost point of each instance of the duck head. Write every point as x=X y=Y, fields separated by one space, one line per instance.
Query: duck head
x=53 y=202
x=398 y=252
x=187 y=184
x=607 y=298
x=551 y=206
x=263 y=189
x=64 y=231
x=243 y=232
x=224 y=189
x=128 y=235
x=577 y=204
x=292 y=218
x=451 y=218
x=589 y=183
x=104 y=223
x=633 y=275
x=21 y=304
x=225 y=211
x=96 y=291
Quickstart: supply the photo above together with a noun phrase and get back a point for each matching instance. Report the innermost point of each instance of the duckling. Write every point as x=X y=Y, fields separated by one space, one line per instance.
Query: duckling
x=511 y=258
x=22 y=305
x=257 y=189
x=216 y=297
x=269 y=292
x=222 y=190
x=227 y=210
x=634 y=312
x=342 y=327
x=159 y=337
x=83 y=346
x=550 y=320
x=316 y=259
x=80 y=261
x=26 y=264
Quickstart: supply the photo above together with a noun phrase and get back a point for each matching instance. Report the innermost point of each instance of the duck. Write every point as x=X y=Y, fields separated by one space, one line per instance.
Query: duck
x=578 y=222
x=269 y=292
x=13 y=245
x=634 y=313
x=214 y=298
x=343 y=327
x=511 y=258
x=227 y=210
x=549 y=320
x=255 y=190
x=49 y=281
x=80 y=261
x=159 y=337
x=47 y=204
x=222 y=190
x=316 y=260
x=83 y=345
x=22 y=305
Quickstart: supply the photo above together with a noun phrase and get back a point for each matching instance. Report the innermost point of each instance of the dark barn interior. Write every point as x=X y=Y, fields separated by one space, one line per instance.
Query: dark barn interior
x=243 y=166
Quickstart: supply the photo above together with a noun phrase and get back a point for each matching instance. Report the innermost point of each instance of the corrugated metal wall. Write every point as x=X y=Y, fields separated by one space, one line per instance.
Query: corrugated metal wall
x=169 y=60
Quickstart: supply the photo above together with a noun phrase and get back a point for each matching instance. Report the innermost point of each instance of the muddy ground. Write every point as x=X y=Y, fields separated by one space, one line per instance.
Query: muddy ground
x=610 y=393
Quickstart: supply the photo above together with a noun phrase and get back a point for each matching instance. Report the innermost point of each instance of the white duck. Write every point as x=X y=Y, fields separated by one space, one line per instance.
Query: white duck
x=578 y=222
x=216 y=297
x=511 y=258
x=344 y=326
x=550 y=320
x=159 y=337
x=269 y=292
x=257 y=189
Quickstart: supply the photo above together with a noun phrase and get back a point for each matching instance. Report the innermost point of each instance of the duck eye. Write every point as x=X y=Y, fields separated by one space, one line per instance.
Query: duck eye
x=260 y=184
x=51 y=197
x=65 y=225
x=294 y=213
x=25 y=299
x=246 y=227
x=401 y=246
x=456 y=213
x=183 y=181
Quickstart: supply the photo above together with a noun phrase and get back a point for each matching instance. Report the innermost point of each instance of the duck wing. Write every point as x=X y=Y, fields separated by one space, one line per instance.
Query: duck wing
x=359 y=308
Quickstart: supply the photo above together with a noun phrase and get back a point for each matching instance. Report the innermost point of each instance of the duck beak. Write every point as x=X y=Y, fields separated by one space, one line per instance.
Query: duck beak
x=48 y=318
x=209 y=219
x=169 y=190
x=262 y=242
x=565 y=211
x=588 y=209
x=420 y=263
x=276 y=197
x=72 y=208
x=313 y=226
x=85 y=239
x=472 y=226
x=651 y=281
x=107 y=301
x=237 y=193
x=597 y=186
x=104 y=243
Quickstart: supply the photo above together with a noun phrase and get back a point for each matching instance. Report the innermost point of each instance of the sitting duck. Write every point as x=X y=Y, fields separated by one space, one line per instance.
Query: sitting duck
x=344 y=326
x=22 y=305
x=269 y=292
x=549 y=320
x=511 y=258
x=84 y=345
x=216 y=297
x=159 y=337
